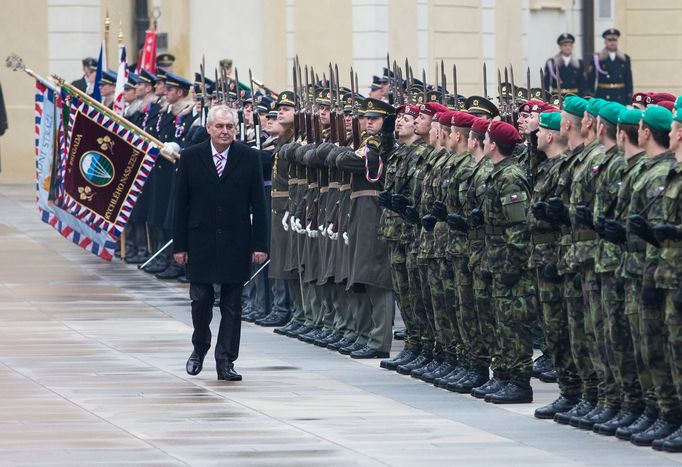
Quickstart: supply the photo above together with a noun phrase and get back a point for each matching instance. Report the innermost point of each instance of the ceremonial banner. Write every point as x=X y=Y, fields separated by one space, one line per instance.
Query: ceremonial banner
x=102 y=167
x=48 y=110
x=121 y=80
x=147 y=60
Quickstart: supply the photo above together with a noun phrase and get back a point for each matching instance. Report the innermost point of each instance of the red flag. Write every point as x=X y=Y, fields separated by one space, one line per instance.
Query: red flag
x=147 y=60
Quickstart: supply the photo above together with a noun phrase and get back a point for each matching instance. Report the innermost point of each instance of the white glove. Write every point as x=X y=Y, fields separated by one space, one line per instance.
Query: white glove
x=169 y=148
x=307 y=231
x=334 y=236
x=345 y=238
x=285 y=223
x=330 y=231
x=322 y=230
x=299 y=228
x=292 y=223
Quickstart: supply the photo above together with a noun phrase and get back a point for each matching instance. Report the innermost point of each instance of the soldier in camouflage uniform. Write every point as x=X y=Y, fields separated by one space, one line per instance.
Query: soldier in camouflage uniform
x=507 y=248
x=397 y=181
x=543 y=261
x=645 y=208
x=667 y=274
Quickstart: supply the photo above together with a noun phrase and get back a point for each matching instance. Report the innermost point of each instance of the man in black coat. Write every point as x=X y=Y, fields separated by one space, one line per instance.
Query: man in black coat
x=611 y=71
x=220 y=228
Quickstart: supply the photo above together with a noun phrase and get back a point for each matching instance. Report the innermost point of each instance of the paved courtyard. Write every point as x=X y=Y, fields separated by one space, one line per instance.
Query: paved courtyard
x=92 y=371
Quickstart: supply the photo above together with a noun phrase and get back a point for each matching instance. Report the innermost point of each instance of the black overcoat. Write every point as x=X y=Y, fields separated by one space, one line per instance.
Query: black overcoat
x=213 y=222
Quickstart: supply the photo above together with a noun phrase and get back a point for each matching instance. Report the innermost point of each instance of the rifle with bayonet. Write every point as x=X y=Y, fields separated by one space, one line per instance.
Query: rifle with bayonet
x=340 y=120
x=204 y=107
x=391 y=93
x=308 y=111
x=454 y=84
x=444 y=97
x=355 y=127
x=256 y=115
x=240 y=108
x=485 y=81
x=297 y=108
x=333 y=108
x=317 y=128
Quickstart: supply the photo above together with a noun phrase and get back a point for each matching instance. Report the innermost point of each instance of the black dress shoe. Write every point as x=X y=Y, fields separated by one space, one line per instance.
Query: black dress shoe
x=541 y=365
x=138 y=258
x=596 y=410
x=274 y=319
x=422 y=370
x=623 y=418
x=303 y=329
x=642 y=423
x=659 y=430
x=156 y=266
x=491 y=386
x=399 y=334
x=515 y=392
x=550 y=376
x=474 y=378
x=588 y=423
x=582 y=408
x=561 y=404
x=173 y=271
x=673 y=443
x=336 y=346
x=330 y=339
x=258 y=316
x=290 y=326
x=183 y=279
x=368 y=352
x=195 y=363
x=351 y=348
x=227 y=373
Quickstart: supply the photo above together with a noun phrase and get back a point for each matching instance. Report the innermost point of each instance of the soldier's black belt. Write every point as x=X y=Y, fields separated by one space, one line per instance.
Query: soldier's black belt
x=280 y=194
x=611 y=85
x=364 y=193
x=494 y=230
x=583 y=235
x=545 y=237
x=565 y=91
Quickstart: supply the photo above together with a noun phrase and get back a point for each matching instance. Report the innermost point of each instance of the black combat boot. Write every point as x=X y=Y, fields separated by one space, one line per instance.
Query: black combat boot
x=662 y=427
x=581 y=408
x=475 y=378
x=623 y=418
x=642 y=423
x=561 y=404
x=494 y=384
x=517 y=391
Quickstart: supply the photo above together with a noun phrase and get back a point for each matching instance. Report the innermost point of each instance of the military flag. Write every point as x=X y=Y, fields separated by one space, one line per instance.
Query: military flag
x=101 y=67
x=121 y=80
x=147 y=60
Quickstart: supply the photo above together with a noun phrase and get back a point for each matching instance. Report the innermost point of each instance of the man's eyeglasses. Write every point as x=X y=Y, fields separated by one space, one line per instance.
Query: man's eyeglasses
x=225 y=126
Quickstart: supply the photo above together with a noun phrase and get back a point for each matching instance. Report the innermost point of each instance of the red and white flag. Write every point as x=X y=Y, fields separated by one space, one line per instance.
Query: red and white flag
x=121 y=80
x=147 y=60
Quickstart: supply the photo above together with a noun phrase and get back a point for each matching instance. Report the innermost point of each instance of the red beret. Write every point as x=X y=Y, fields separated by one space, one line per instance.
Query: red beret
x=408 y=110
x=480 y=125
x=463 y=119
x=549 y=108
x=533 y=105
x=504 y=132
x=670 y=105
x=641 y=98
x=431 y=108
x=658 y=97
x=445 y=118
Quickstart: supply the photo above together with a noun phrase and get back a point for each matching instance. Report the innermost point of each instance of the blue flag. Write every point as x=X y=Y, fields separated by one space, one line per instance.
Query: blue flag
x=101 y=66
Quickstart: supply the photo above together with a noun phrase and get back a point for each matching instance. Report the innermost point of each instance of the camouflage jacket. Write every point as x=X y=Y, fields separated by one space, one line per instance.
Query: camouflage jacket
x=390 y=224
x=585 y=173
x=415 y=172
x=458 y=176
x=472 y=190
x=543 y=234
x=450 y=174
x=505 y=210
x=668 y=273
x=430 y=185
x=612 y=165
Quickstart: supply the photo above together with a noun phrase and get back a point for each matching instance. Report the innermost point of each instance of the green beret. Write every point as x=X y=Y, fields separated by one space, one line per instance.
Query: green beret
x=594 y=105
x=550 y=120
x=629 y=116
x=657 y=117
x=678 y=103
x=575 y=105
x=610 y=112
x=678 y=116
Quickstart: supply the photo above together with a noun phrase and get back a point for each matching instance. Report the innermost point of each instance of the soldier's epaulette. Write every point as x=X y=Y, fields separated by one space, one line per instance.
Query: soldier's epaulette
x=371 y=142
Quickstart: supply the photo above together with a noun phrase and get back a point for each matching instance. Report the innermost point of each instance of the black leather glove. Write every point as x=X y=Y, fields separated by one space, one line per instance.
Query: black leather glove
x=540 y=211
x=477 y=219
x=510 y=279
x=664 y=231
x=619 y=285
x=388 y=126
x=439 y=211
x=487 y=277
x=652 y=296
x=677 y=300
x=457 y=222
x=557 y=211
x=399 y=203
x=429 y=222
x=615 y=232
x=551 y=273
x=387 y=138
x=583 y=216
x=385 y=199
x=464 y=265
x=599 y=225
x=412 y=216
x=639 y=226
x=578 y=281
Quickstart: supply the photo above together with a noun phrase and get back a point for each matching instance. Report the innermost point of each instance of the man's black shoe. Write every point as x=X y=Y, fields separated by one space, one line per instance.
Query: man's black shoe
x=476 y=377
x=195 y=363
x=405 y=356
x=642 y=423
x=422 y=360
x=399 y=334
x=623 y=418
x=351 y=348
x=673 y=443
x=561 y=404
x=596 y=410
x=302 y=329
x=582 y=408
x=421 y=371
x=274 y=319
x=444 y=369
x=138 y=258
x=659 y=430
x=183 y=279
x=541 y=365
x=368 y=352
x=493 y=385
x=345 y=342
x=587 y=423
x=156 y=266
x=173 y=271
x=310 y=337
x=459 y=372
x=290 y=326
x=550 y=376
x=513 y=393
x=227 y=373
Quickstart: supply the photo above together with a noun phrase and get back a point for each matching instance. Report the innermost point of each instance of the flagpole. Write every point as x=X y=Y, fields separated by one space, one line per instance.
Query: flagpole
x=107 y=24
x=113 y=116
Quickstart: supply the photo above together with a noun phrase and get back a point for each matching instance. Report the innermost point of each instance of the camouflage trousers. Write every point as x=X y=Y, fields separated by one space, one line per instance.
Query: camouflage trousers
x=608 y=391
x=632 y=288
x=419 y=294
x=515 y=311
x=575 y=312
x=619 y=347
x=439 y=318
x=487 y=319
x=473 y=349
x=557 y=339
x=447 y=276
x=401 y=287
x=673 y=323
x=654 y=340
